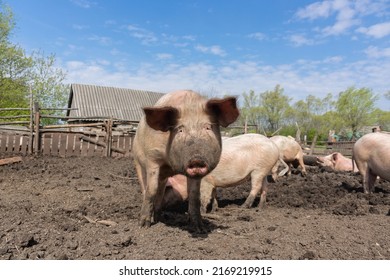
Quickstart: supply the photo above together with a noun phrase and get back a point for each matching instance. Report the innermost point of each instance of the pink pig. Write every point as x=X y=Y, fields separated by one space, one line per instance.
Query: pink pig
x=372 y=156
x=337 y=162
x=180 y=134
x=291 y=151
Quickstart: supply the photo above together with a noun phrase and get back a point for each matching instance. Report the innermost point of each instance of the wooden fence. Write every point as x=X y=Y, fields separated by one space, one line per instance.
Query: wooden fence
x=102 y=138
x=326 y=148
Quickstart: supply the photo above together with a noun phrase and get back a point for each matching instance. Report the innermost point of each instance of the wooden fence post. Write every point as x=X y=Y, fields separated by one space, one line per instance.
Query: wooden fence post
x=37 y=136
x=31 y=139
x=313 y=144
x=109 y=124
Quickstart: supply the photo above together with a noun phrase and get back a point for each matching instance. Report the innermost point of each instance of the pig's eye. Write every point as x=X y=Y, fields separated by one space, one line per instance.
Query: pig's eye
x=180 y=129
x=207 y=126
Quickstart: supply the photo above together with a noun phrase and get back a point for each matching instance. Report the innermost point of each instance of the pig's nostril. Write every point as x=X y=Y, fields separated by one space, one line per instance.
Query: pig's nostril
x=196 y=163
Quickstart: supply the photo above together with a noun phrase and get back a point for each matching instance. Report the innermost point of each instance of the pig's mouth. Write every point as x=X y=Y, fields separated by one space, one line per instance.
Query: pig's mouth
x=197 y=168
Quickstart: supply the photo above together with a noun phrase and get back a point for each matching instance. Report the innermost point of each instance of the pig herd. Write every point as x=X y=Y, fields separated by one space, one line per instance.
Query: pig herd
x=179 y=155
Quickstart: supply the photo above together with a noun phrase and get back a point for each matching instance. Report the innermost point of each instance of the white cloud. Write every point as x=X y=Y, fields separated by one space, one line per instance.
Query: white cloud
x=375 y=52
x=83 y=3
x=215 y=50
x=345 y=18
x=164 y=56
x=80 y=26
x=342 y=15
x=334 y=59
x=189 y=37
x=257 y=36
x=377 y=31
x=315 y=10
x=105 y=41
x=235 y=77
x=146 y=37
x=300 y=40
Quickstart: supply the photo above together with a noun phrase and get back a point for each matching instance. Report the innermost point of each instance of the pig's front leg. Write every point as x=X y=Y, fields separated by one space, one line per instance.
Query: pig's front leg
x=149 y=195
x=193 y=189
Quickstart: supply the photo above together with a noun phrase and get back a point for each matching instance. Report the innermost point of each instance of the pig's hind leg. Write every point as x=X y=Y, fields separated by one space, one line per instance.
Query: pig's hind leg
x=258 y=183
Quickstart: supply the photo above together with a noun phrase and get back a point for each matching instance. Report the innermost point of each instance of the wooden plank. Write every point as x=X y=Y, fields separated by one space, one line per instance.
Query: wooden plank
x=10 y=143
x=2 y=142
x=46 y=143
x=76 y=145
x=5 y=143
x=70 y=151
x=83 y=147
x=17 y=143
x=24 y=145
x=55 y=144
x=11 y=160
x=63 y=144
x=91 y=149
x=100 y=151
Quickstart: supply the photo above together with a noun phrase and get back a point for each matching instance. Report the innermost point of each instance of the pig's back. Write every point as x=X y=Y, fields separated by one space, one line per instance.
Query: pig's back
x=241 y=155
x=248 y=151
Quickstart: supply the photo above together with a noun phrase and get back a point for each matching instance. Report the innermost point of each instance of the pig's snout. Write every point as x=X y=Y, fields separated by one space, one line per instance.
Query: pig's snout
x=197 y=167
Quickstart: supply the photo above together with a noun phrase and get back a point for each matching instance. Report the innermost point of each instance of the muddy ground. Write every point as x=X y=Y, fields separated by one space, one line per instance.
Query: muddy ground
x=88 y=208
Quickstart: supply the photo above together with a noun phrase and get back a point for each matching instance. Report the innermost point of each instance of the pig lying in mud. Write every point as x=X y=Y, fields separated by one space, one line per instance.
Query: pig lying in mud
x=337 y=162
x=372 y=156
x=291 y=152
x=245 y=157
x=180 y=134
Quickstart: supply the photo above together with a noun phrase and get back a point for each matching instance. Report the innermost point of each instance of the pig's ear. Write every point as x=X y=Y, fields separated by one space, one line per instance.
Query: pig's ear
x=224 y=109
x=161 y=118
x=335 y=156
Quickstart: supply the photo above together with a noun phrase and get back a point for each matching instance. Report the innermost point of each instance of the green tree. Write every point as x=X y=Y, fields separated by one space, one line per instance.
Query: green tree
x=387 y=95
x=250 y=109
x=20 y=73
x=381 y=118
x=14 y=65
x=355 y=106
x=311 y=115
x=47 y=85
x=275 y=108
x=47 y=81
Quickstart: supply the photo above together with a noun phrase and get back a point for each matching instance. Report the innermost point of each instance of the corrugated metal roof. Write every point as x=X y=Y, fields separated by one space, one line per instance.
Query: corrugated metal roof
x=100 y=101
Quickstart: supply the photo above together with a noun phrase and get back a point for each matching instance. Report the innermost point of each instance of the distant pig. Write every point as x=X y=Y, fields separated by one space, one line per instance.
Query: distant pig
x=180 y=134
x=337 y=162
x=372 y=156
x=291 y=152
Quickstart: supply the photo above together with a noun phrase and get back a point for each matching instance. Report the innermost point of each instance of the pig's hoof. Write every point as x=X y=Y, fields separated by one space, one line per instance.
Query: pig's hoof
x=197 y=227
x=144 y=223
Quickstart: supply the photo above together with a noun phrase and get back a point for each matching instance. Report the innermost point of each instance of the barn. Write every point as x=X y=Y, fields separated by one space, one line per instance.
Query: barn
x=90 y=103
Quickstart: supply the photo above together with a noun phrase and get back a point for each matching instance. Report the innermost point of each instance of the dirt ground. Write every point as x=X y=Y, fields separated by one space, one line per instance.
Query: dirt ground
x=88 y=208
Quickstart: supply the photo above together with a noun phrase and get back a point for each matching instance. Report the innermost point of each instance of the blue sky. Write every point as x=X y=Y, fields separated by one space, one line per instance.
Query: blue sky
x=216 y=47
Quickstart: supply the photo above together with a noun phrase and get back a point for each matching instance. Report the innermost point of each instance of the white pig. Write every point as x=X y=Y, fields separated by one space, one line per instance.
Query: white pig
x=372 y=156
x=291 y=151
x=337 y=162
x=245 y=157
x=180 y=134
